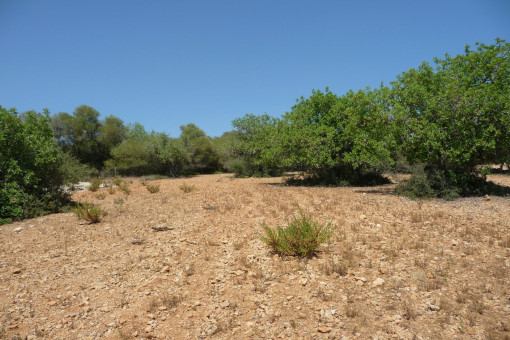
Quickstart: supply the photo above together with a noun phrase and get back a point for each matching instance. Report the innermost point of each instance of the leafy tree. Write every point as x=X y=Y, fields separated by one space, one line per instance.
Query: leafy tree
x=30 y=166
x=144 y=153
x=337 y=139
x=250 y=149
x=456 y=116
x=111 y=132
x=201 y=156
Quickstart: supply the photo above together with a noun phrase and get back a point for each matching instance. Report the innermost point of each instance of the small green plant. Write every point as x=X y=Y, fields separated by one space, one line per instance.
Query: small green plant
x=152 y=188
x=118 y=201
x=117 y=181
x=100 y=195
x=187 y=188
x=89 y=212
x=125 y=188
x=301 y=237
x=95 y=183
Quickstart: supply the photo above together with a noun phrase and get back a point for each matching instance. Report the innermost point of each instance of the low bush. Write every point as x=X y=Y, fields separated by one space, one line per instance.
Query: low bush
x=187 y=188
x=90 y=212
x=117 y=181
x=430 y=182
x=95 y=183
x=125 y=188
x=152 y=188
x=301 y=237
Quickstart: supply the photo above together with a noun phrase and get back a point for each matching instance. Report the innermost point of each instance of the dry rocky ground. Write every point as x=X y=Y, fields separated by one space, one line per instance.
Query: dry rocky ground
x=395 y=268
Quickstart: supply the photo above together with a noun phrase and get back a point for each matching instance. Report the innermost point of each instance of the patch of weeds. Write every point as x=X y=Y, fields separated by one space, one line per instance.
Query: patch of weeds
x=152 y=188
x=186 y=188
x=90 y=212
x=335 y=267
x=111 y=190
x=117 y=181
x=95 y=183
x=171 y=301
x=125 y=188
x=118 y=201
x=301 y=237
x=100 y=196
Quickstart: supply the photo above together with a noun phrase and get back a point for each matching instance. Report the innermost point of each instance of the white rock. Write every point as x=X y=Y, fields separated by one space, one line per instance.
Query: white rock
x=378 y=282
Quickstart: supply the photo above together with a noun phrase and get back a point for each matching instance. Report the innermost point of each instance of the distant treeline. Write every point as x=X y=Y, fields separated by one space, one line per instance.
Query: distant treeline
x=447 y=118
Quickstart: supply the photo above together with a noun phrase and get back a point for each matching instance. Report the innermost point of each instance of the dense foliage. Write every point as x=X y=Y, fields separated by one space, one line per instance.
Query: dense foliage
x=31 y=172
x=443 y=120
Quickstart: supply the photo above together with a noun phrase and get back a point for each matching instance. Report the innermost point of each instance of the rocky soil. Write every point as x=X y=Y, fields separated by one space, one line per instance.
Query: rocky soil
x=395 y=268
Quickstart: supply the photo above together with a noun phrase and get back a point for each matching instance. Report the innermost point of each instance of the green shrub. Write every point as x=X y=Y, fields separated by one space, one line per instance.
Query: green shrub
x=32 y=176
x=187 y=188
x=117 y=181
x=430 y=182
x=152 y=188
x=95 y=183
x=301 y=237
x=90 y=212
x=125 y=188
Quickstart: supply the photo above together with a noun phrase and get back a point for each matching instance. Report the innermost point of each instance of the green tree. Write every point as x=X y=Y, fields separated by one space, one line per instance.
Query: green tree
x=111 y=132
x=251 y=152
x=201 y=156
x=456 y=116
x=337 y=139
x=30 y=166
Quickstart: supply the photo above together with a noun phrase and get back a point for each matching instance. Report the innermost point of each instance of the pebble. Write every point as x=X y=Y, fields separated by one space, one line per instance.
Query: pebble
x=378 y=282
x=324 y=330
x=434 y=308
x=18 y=229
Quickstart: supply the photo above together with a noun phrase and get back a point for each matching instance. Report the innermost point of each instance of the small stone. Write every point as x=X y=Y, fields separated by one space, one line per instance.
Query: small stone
x=383 y=270
x=17 y=271
x=303 y=282
x=52 y=303
x=148 y=329
x=378 y=282
x=324 y=330
x=165 y=269
x=18 y=229
x=434 y=308
x=225 y=304
x=363 y=217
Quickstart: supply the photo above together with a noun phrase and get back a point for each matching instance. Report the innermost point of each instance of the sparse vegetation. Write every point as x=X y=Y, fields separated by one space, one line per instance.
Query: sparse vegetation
x=95 y=184
x=152 y=188
x=187 y=188
x=90 y=212
x=301 y=237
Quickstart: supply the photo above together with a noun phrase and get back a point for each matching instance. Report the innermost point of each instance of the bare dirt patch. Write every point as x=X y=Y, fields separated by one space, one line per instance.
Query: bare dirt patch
x=395 y=268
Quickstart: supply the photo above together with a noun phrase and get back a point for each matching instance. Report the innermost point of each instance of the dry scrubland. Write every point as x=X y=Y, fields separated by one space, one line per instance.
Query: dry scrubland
x=395 y=268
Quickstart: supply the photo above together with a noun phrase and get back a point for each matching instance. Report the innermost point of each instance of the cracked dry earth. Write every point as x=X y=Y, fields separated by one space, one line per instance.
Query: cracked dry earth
x=395 y=268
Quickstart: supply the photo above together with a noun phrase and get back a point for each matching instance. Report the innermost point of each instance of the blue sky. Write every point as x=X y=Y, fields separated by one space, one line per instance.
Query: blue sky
x=168 y=63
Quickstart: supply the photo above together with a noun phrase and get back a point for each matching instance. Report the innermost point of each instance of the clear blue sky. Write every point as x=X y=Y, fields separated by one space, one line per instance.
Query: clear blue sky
x=168 y=63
